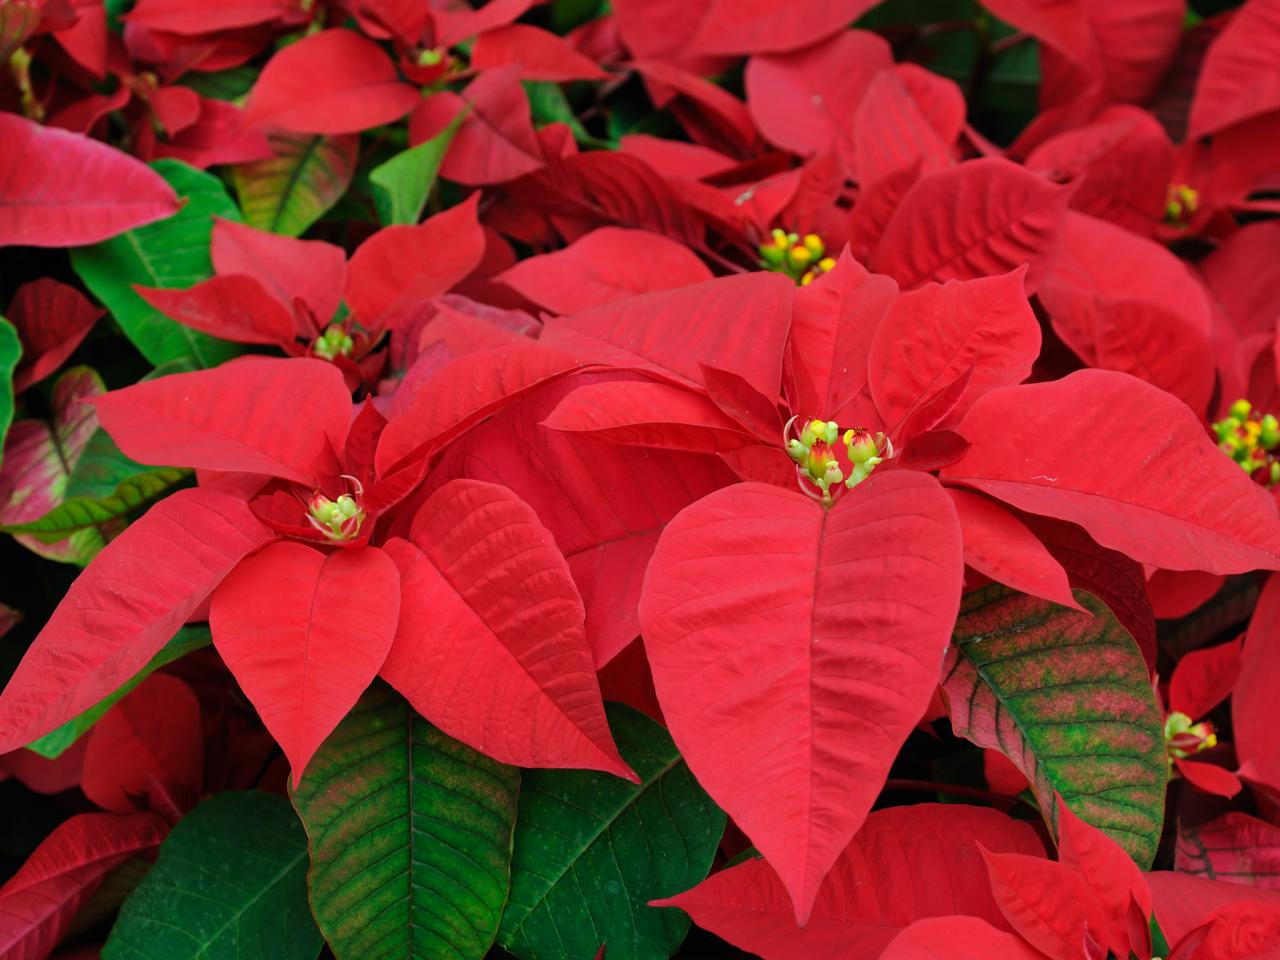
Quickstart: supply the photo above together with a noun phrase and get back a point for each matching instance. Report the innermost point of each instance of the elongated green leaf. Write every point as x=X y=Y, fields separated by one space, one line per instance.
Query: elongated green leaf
x=410 y=835
x=1065 y=696
x=169 y=253
x=230 y=882
x=401 y=185
x=591 y=850
x=187 y=640
x=292 y=190
x=548 y=104
x=10 y=354
x=80 y=513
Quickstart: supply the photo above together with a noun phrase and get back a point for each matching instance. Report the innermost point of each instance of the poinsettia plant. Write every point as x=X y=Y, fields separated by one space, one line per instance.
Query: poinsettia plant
x=633 y=480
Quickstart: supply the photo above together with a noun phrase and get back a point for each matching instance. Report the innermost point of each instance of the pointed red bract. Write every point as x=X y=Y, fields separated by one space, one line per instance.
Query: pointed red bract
x=260 y=415
x=402 y=267
x=235 y=307
x=193 y=17
x=40 y=901
x=999 y=217
x=335 y=81
x=60 y=189
x=957 y=938
x=51 y=319
x=541 y=55
x=808 y=640
x=671 y=333
x=1253 y=703
x=605 y=266
x=289 y=269
x=1239 y=79
x=1172 y=498
x=905 y=864
x=1204 y=678
x=304 y=633
x=933 y=335
x=1049 y=905
x=1235 y=847
x=125 y=606
x=491 y=647
x=998 y=545
x=891 y=133
x=147 y=752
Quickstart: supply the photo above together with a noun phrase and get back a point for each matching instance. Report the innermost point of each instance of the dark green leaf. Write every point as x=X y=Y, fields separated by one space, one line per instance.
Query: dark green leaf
x=169 y=253
x=1066 y=696
x=222 y=85
x=548 y=104
x=410 y=837
x=401 y=185
x=591 y=850
x=230 y=882
x=185 y=641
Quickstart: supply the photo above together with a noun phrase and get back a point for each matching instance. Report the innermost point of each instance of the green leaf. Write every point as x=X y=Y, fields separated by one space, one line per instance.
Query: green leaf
x=229 y=884
x=10 y=354
x=168 y=253
x=80 y=513
x=401 y=185
x=1066 y=696
x=591 y=850
x=187 y=640
x=548 y=104
x=290 y=191
x=102 y=467
x=410 y=836
x=228 y=85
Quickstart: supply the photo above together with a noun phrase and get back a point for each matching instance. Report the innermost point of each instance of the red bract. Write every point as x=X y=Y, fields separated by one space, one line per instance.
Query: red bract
x=329 y=600
x=914 y=376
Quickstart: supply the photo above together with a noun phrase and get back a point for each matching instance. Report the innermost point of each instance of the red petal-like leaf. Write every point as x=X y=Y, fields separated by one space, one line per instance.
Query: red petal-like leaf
x=1049 y=905
x=401 y=267
x=39 y=903
x=802 y=101
x=1253 y=703
x=308 y=270
x=235 y=307
x=540 y=54
x=670 y=333
x=305 y=633
x=195 y=17
x=1236 y=847
x=605 y=504
x=833 y=324
x=491 y=646
x=1204 y=678
x=605 y=266
x=1115 y=879
x=933 y=335
x=807 y=639
x=999 y=217
x=1159 y=491
x=145 y=746
x=272 y=416
x=1211 y=779
x=1239 y=78
x=60 y=189
x=760 y=26
x=957 y=938
x=905 y=864
x=998 y=545
x=644 y=414
x=51 y=319
x=1182 y=901
x=464 y=393
x=335 y=81
x=891 y=133
x=125 y=606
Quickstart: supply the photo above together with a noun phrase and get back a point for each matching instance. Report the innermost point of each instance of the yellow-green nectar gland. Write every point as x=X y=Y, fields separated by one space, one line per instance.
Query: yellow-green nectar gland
x=817 y=464
x=1250 y=437
x=1183 y=739
x=334 y=342
x=339 y=519
x=803 y=259
x=1180 y=205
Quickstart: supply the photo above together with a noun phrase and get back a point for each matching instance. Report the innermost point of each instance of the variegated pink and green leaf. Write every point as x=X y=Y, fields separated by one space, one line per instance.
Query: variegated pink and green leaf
x=39 y=456
x=1066 y=696
x=290 y=191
